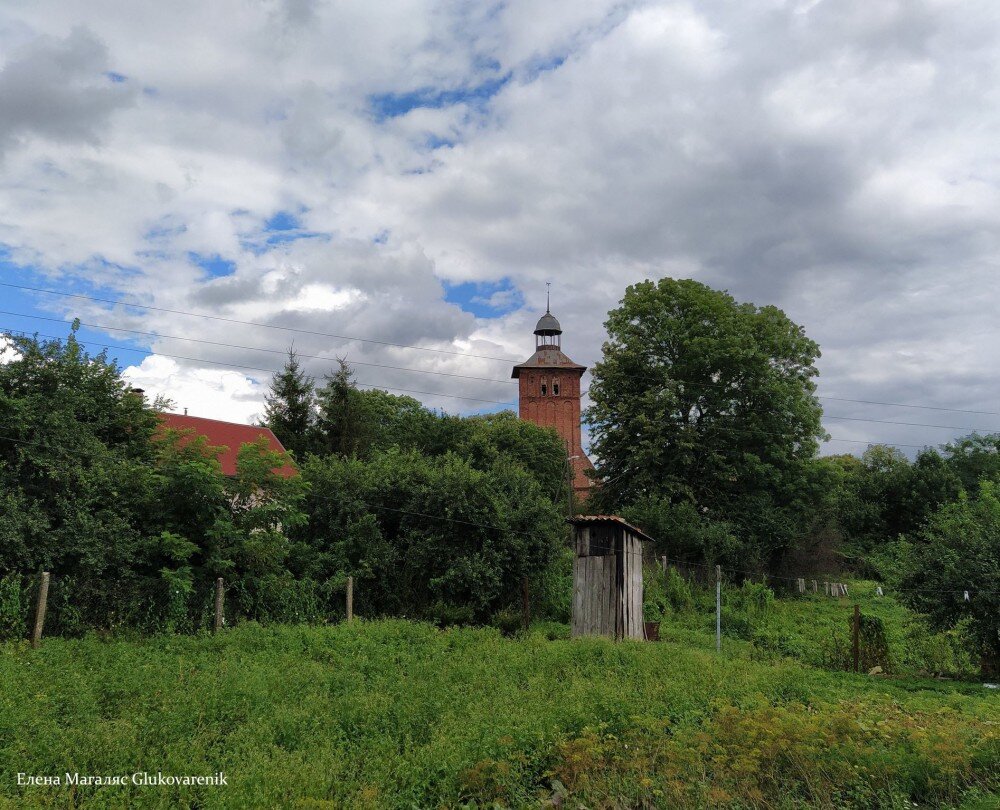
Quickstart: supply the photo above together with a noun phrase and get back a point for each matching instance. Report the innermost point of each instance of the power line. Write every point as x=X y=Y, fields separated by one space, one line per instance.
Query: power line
x=160 y=335
x=860 y=402
x=911 y=424
x=251 y=323
x=399 y=345
x=732 y=430
x=149 y=352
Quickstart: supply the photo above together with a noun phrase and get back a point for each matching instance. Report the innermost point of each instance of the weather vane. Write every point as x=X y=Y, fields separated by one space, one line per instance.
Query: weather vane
x=548 y=285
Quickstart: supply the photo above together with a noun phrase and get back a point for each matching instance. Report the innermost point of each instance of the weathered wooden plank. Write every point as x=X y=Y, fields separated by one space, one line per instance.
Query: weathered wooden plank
x=600 y=595
x=605 y=590
x=609 y=595
x=575 y=604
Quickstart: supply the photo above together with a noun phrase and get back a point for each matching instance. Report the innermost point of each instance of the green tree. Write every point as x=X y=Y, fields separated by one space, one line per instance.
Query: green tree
x=958 y=552
x=290 y=407
x=884 y=495
x=974 y=458
x=74 y=459
x=703 y=400
x=427 y=536
x=343 y=428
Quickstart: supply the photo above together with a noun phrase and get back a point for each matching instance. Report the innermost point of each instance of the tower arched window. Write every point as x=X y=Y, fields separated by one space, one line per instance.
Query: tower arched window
x=555 y=389
x=545 y=388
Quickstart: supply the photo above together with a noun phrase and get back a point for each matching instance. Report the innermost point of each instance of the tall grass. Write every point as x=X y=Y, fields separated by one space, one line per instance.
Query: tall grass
x=400 y=714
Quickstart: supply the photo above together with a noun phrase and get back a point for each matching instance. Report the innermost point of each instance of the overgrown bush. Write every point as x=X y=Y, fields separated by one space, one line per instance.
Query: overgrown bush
x=13 y=607
x=677 y=590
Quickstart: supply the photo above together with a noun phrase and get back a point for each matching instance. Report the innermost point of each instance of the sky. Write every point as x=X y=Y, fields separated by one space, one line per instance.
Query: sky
x=356 y=178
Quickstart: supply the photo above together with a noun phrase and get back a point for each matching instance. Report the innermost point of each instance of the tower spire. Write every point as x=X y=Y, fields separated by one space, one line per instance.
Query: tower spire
x=548 y=286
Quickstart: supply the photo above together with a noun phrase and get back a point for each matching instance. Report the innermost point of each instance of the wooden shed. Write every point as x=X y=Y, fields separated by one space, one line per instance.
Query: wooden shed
x=607 y=577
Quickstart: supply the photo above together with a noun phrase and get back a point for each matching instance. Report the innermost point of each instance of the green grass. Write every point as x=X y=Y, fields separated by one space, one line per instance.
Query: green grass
x=816 y=629
x=399 y=714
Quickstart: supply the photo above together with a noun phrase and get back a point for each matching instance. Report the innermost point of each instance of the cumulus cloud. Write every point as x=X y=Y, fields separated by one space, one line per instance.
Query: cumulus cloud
x=838 y=160
x=60 y=89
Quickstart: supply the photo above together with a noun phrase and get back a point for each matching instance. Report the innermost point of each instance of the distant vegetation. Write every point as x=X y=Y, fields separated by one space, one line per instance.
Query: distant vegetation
x=705 y=421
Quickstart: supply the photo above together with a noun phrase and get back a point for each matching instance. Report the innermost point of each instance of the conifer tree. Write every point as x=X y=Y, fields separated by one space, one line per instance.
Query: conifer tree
x=342 y=427
x=290 y=409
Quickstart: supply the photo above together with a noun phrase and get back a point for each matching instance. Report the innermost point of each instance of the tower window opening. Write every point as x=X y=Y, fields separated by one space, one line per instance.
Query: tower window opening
x=545 y=390
x=555 y=389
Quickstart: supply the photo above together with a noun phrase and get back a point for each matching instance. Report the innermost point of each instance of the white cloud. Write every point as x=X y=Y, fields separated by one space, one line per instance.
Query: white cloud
x=7 y=352
x=837 y=159
x=214 y=394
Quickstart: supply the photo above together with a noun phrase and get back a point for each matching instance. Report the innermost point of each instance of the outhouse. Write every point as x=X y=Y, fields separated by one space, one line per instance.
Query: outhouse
x=607 y=577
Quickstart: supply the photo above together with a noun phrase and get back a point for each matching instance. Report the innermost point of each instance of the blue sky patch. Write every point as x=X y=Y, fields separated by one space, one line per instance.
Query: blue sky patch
x=117 y=78
x=282 y=221
x=484 y=299
x=436 y=142
x=279 y=229
x=50 y=316
x=538 y=66
x=393 y=105
x=214 y=265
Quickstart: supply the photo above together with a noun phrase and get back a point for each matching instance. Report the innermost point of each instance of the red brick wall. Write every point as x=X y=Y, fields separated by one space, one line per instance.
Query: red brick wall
x=560 y=411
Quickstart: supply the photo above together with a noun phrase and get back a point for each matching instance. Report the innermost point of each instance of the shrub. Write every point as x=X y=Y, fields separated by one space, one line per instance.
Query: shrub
x=13 y=608
x=508 y=620
x=678 y=591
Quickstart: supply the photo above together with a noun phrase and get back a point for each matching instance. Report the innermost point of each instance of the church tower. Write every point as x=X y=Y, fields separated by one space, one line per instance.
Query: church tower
x=549 y=395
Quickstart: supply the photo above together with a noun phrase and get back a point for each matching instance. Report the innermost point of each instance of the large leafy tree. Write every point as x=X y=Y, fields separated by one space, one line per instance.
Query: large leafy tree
x=705 y=401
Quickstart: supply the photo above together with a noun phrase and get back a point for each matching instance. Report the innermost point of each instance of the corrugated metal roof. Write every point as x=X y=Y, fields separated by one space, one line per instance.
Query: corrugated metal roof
x=586 y=520
x=229 y=435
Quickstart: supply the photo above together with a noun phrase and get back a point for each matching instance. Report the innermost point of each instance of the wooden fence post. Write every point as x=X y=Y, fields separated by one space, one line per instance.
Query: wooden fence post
x=350 y=599
x=815 y=586
x=219 y=596
x=718 y=608
x=856 y=634
x=525 y=604
x=43 y=601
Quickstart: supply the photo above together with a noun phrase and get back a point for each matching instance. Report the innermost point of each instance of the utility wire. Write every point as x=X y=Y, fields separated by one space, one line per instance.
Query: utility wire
x=283 y=352
x=251 y=368
x=252 y=323
x=150 y=352
x=740 y=431
x=400 y=345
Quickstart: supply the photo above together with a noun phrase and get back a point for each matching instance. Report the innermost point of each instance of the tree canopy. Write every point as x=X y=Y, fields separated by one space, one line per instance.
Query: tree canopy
x=707 y=404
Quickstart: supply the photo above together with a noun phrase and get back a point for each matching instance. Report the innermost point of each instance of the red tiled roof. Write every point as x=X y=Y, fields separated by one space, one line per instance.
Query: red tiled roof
x=228 y=435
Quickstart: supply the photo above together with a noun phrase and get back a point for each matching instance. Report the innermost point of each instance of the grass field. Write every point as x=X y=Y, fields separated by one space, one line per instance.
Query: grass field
x=399 y=714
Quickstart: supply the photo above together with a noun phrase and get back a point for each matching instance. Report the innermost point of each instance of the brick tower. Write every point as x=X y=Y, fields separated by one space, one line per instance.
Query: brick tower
x=549 y=395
